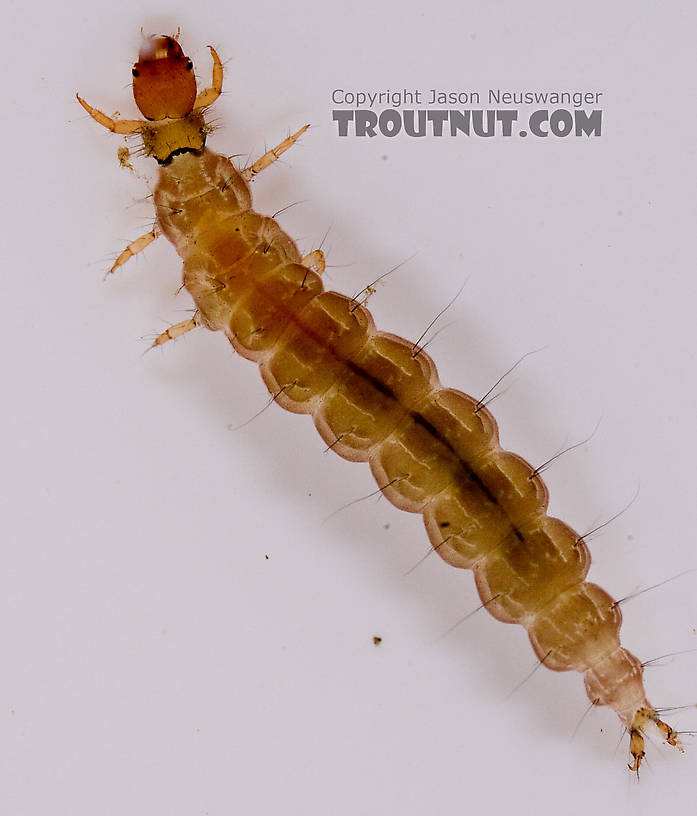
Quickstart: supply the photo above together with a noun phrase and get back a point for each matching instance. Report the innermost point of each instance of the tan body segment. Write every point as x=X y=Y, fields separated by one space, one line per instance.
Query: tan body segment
x=376 y=398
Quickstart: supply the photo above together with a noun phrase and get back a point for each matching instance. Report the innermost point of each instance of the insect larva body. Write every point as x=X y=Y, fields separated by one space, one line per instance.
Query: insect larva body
x=374 y=397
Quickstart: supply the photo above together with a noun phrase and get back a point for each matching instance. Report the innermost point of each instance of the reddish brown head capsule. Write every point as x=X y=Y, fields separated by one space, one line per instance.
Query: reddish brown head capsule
x=164 y=86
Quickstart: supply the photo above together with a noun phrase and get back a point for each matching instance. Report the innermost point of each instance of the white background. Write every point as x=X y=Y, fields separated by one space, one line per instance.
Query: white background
x=153 y=660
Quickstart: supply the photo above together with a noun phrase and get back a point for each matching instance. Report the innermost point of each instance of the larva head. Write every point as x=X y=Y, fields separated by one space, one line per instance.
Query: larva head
x=164 y=85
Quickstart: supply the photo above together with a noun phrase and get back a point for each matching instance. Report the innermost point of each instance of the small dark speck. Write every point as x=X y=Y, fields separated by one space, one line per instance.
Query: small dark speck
x=309 y=494
x=266 y=556
x=619 y=212
x=387 y=526
x=445 y=524
x=630 y=538
x=377 y=640
x=384 y=158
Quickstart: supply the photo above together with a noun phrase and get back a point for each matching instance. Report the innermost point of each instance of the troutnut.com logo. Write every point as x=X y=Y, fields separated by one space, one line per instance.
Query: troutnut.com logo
x=462 y=113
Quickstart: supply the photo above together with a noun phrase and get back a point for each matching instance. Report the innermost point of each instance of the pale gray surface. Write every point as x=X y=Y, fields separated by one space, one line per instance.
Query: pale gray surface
x=153 y=660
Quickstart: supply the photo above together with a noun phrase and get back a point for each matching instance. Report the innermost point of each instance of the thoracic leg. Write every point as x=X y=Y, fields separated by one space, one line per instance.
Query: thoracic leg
x=123 y=126
x=209 y=95
x=271 y=155
x=135 y=247
x=173 y=332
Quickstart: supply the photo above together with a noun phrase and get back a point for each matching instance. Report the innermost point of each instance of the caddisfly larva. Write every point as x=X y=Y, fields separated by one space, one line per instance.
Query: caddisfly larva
x=374 y=397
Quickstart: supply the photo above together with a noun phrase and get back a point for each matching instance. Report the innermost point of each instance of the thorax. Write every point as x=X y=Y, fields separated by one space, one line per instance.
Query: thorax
x=196 y=192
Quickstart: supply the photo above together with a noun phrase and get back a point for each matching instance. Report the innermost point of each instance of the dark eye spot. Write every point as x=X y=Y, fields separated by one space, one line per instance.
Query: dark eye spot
x=135 y=72
x=189 y=65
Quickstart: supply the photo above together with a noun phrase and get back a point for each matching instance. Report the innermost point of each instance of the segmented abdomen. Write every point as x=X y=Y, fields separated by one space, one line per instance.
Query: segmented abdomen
x=376 y=397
